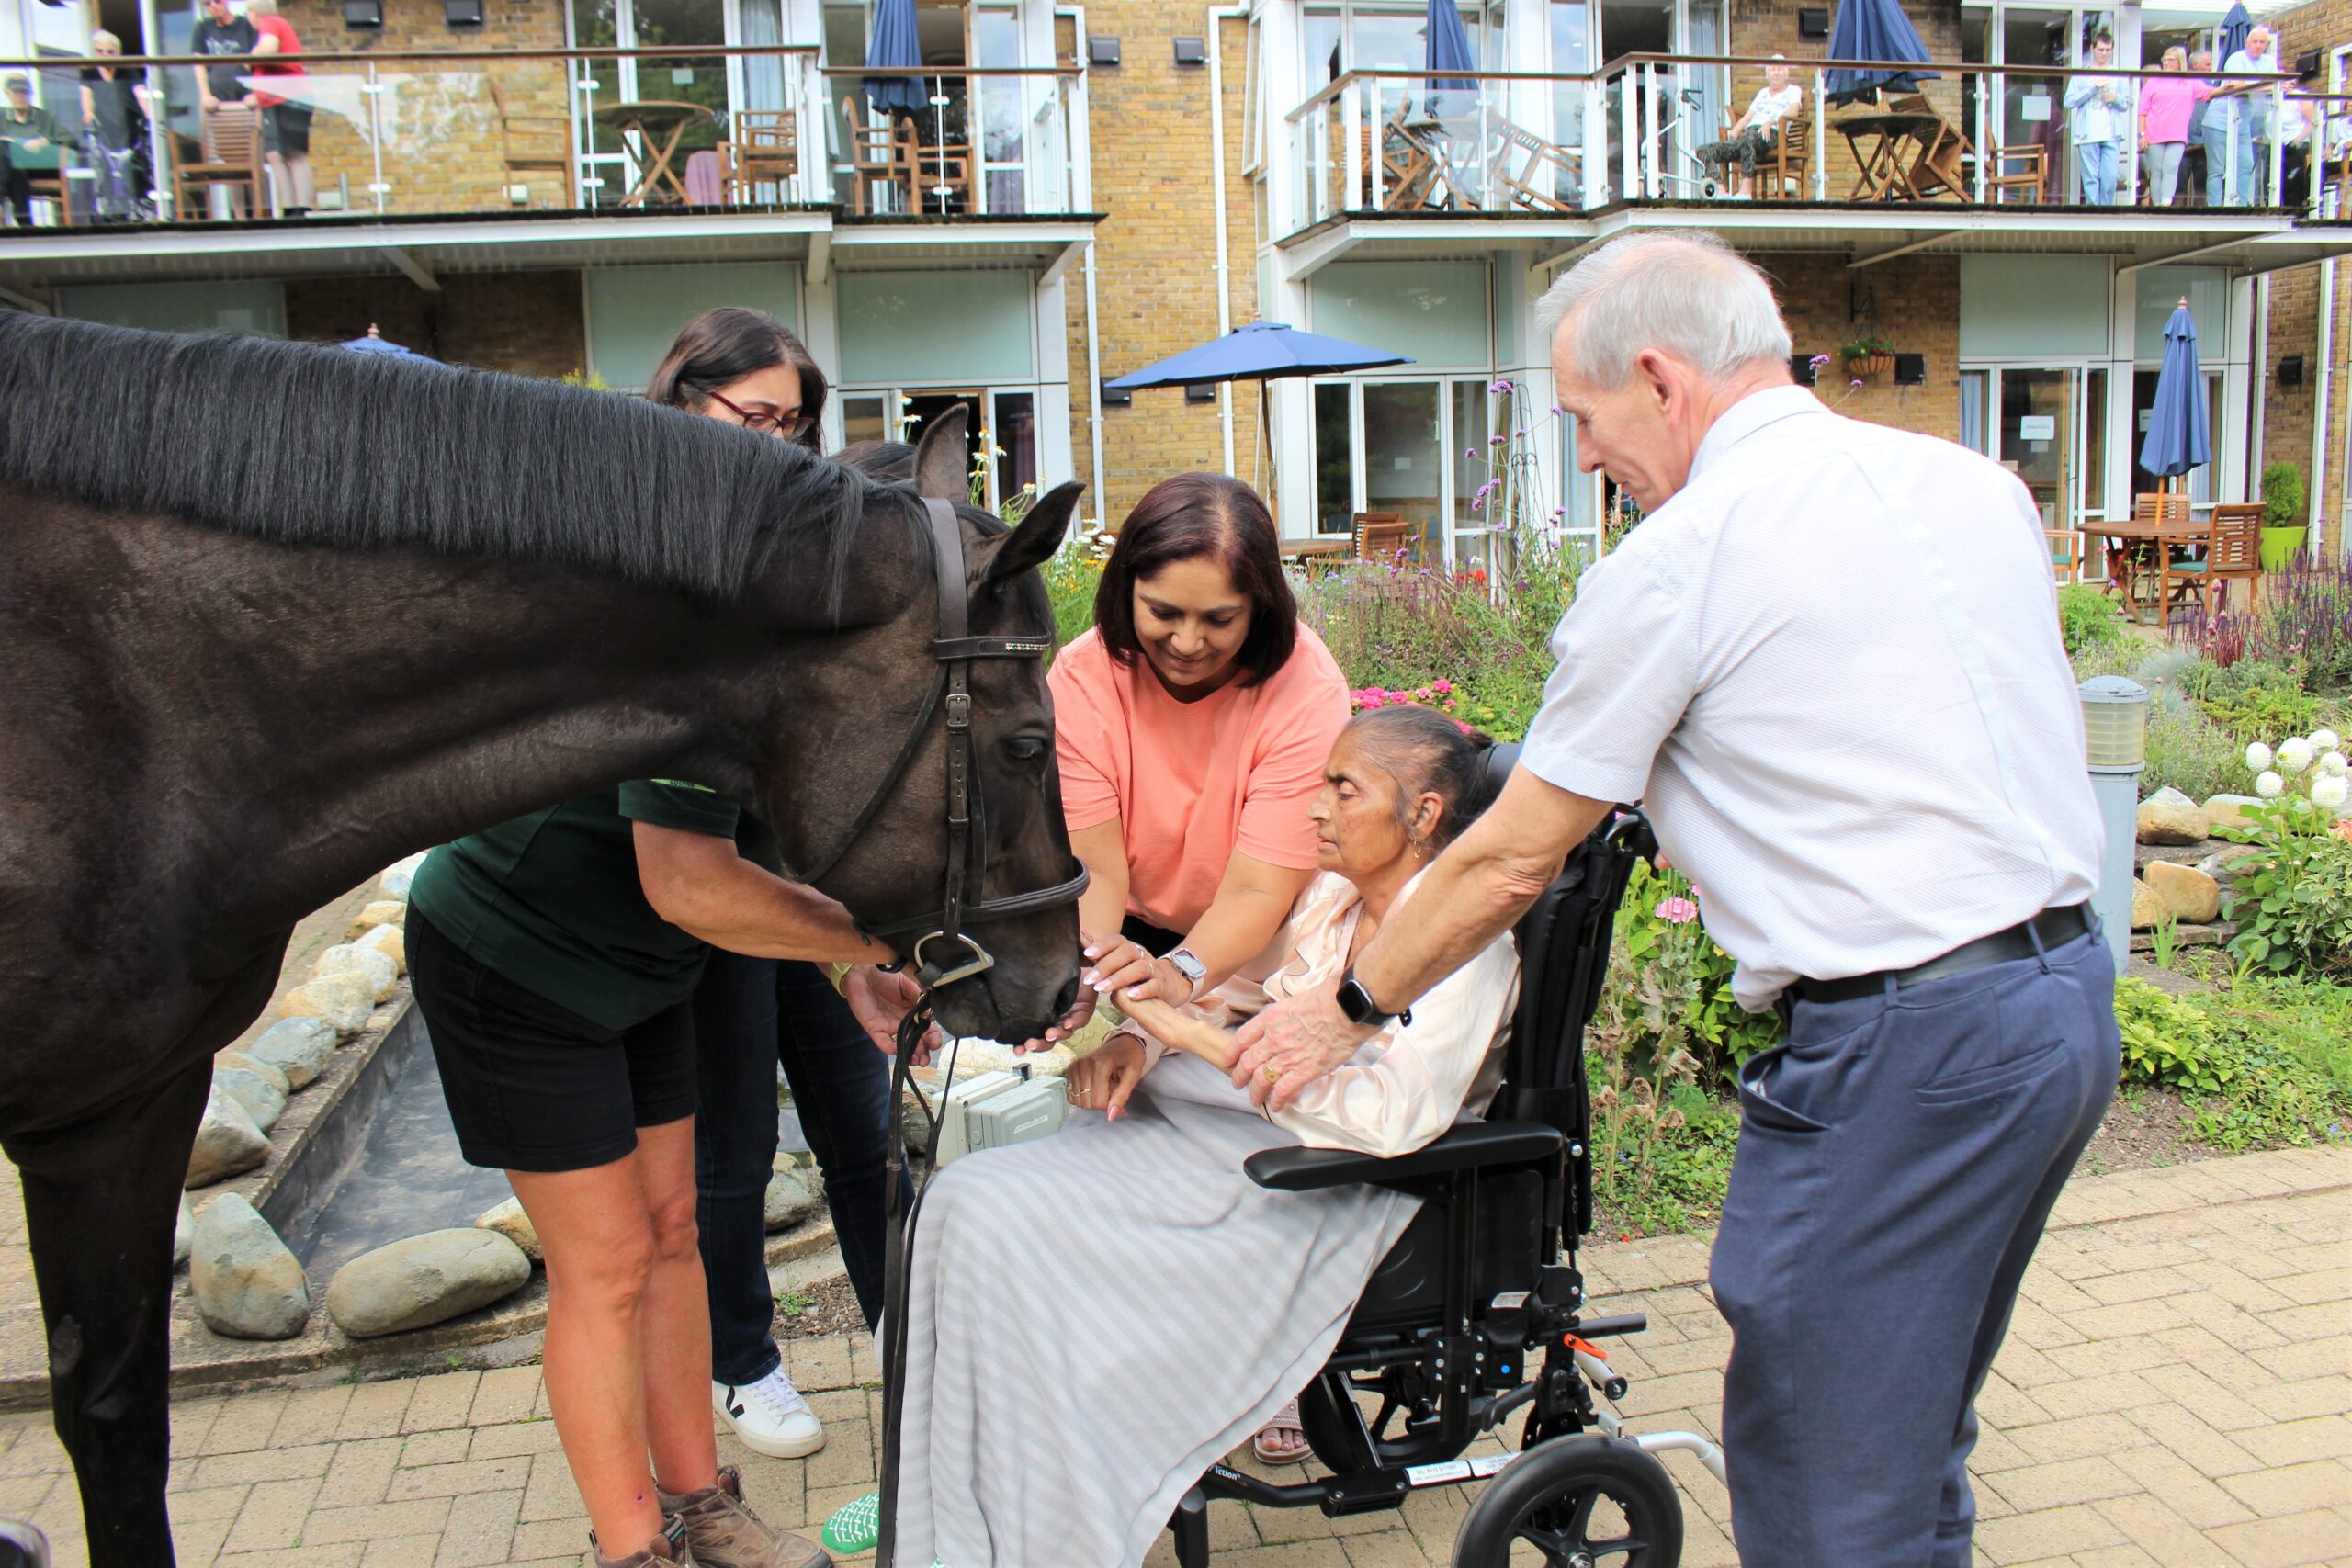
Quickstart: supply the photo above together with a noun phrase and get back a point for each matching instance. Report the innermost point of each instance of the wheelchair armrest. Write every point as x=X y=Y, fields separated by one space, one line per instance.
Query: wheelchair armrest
x=1461 y=1147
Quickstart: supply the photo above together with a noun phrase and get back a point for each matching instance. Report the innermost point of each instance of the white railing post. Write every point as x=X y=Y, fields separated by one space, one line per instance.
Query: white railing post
x=1351 y=149
x=2131 y=149
x=1594 y=160
x=2277 y=145
x=374 y=89
x=1629 y=127
x=1986 y=153
x=1821 y=133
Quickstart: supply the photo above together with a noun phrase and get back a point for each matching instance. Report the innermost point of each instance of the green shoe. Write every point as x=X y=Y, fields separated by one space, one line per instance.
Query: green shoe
x=854 y=1527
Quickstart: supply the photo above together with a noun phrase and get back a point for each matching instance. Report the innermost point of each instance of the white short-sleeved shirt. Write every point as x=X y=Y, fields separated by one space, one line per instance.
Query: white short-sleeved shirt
x=1830 y=669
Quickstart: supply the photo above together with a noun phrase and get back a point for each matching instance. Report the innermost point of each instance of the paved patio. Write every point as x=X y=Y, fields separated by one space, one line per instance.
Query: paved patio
x=2175 y=1392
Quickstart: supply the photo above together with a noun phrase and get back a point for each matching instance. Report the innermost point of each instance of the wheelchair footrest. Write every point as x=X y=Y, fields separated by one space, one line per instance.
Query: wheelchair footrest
x=1367 y=1491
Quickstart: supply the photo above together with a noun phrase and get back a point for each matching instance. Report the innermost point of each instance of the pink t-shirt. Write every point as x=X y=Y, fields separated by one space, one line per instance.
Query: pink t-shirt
x=2166 y=103
x=1190 y=782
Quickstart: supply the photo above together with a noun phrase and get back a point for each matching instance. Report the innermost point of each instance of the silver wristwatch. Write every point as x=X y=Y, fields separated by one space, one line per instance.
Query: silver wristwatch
x=1191 y=968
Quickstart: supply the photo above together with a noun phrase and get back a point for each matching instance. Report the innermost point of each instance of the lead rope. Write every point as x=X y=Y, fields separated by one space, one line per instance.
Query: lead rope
x=901 y=1210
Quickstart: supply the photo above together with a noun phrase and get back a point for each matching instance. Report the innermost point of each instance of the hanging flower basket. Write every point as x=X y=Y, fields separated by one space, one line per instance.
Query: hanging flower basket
x=1869 y=366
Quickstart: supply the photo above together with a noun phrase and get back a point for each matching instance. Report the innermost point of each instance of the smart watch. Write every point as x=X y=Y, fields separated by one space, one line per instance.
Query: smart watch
x=1190 y=967
x=1358 y=1007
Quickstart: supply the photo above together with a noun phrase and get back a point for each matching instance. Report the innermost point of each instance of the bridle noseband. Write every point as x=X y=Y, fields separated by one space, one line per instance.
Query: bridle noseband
x=954 y=651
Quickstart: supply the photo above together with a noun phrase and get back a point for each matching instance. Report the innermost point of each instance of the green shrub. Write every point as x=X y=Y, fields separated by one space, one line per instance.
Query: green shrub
x=2254 y=699
x=2263 y=1063
x=2294 y=910
x=1072 y=577
x=2086 y=618
x=2282 y=495
x=2167 y=1041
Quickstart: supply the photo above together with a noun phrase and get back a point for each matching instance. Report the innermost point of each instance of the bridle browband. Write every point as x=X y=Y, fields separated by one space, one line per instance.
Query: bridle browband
x=954 y=651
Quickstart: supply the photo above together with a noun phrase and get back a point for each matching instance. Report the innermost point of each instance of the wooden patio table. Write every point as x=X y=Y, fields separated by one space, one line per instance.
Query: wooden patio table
x=1899 y=143
x=2146 y=550
x=658 y=124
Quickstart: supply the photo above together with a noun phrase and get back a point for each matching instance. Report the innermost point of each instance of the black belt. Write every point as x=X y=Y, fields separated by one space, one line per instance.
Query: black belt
x=2047 y=929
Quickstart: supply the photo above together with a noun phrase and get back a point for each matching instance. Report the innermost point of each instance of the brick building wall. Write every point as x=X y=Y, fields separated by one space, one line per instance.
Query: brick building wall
x=1912 y=301
x=1769 y=27
x=442 y=143
x=527 y=323
x=1155 y=253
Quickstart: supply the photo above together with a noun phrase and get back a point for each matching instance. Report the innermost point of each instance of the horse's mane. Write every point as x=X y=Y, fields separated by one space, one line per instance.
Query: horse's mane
x=307 y=444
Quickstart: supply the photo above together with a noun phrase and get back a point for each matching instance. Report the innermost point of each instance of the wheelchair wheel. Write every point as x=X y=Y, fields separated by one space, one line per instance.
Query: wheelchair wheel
x=1581 y=1502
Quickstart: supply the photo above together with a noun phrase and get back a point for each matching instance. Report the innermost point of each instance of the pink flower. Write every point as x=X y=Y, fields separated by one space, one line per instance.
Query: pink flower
x=1443 y=687
x=1677 y=911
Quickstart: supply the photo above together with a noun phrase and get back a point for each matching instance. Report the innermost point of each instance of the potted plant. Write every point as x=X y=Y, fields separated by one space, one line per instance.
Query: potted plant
x=2282 y=514
x=1867 y=358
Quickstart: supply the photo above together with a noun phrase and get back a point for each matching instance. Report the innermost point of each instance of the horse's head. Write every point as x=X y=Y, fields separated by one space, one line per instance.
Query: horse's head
x=867 y=769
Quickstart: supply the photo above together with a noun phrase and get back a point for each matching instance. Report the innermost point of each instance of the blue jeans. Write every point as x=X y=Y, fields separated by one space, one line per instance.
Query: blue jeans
x=2097 y=160
x=1897 y=1159
x=2218 y=158
x=749 y=1015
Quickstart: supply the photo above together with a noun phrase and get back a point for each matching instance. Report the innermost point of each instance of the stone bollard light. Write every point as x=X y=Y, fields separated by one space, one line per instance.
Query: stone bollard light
x=2115 y=726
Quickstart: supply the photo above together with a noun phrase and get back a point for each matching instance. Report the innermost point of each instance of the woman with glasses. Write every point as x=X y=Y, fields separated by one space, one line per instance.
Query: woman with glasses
x=560 y=960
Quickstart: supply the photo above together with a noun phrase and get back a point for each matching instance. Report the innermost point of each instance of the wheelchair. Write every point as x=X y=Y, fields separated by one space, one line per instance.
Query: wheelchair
x=1476 y=1312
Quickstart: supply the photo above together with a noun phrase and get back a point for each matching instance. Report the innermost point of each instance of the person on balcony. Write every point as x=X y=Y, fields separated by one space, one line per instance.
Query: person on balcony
x=116 y=108
x=2098 y=119
x=1757 y=131
x=285 y=122
x=2166 y=105
x=31 y=139
x=223 y=34
x=2237 y=118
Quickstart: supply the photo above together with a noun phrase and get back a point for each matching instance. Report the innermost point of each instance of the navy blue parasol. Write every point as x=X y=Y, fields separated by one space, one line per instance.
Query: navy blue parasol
x=374 y=343
x=1262 y=351
x=2235 y=25
x=1449 y=48
x=1874 y=29
x=2178 y=437
x=896 y=43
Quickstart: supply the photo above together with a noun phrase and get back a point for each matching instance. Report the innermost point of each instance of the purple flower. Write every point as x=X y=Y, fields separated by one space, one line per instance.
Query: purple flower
x=1470 y=454
x=1558 y=410
x=1854 y=383
x=1818 y=360
x=1519 y=435
x=1497 y=440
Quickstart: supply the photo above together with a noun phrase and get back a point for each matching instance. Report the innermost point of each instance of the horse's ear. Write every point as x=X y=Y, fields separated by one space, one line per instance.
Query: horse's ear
x=1039 y=536
x=942 y=457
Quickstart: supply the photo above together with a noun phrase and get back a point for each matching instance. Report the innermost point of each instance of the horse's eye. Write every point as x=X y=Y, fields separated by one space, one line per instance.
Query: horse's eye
x=1025 y=749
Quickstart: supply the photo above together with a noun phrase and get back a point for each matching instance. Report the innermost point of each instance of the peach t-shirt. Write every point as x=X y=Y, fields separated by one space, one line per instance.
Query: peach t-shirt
x=1192 y=782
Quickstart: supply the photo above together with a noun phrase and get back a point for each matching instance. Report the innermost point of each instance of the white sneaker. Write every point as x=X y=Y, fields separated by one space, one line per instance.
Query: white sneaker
x=769 y=1416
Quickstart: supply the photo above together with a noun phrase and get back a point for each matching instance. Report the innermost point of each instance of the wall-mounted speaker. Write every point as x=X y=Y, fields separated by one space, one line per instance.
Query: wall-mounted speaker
x=1200 y=391
x=363 y=12
x=1910 y=370
x=1800 y=369
x=1101 y=49
x=2290 y=370
x=1813 y=22
x=1116 y=397
x=1191 y=51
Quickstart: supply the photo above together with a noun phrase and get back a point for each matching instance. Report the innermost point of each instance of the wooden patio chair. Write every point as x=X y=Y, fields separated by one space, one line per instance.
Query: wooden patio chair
x=1532 y=173
x=764 y=151
x=2065 y=554
x=2022 y=170
x=2143 y=573
x=533 y=143
x=1380 y=534
x=873 y=157
x=929 y=170
x=50 y=185
x=2231 y=552
x=229 y=157
x=1787 y=166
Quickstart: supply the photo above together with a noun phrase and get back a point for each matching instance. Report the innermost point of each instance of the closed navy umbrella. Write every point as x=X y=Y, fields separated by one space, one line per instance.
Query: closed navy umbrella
x=895 y=43
x=2235 y=25
x=1449 y=48
x=1874 y=29
x=2179 y=438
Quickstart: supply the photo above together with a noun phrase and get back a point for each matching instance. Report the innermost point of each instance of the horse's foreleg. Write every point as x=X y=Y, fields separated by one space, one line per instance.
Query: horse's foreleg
x=100 y=1202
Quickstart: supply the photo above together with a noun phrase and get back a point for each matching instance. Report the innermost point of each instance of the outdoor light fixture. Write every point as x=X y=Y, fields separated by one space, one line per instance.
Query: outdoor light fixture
x=1200 y=391
x=363 y=12
x=1800 y=369
x=2290 y=370
x=1116 y=397
x=1910 y=370
x=1191 y=51
x=2307 y=63
x=1101 y=49
x=1813 y=22
x=462 y=13
x=2114 y=731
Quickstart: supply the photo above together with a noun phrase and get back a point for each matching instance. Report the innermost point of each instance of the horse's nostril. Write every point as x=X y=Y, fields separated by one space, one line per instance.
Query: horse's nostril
x=1066 y=999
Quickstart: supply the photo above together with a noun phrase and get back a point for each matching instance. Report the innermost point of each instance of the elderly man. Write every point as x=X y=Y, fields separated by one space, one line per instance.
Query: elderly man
x=1829 y=664
x=2239 y=115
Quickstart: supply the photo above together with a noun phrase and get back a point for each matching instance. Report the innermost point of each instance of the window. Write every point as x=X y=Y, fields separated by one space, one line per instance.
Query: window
x=1361 y=35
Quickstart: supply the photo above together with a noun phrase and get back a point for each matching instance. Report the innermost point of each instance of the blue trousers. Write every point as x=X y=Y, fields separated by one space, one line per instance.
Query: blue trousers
x=750 y=1013
x=1897 y=1158
x=2097 y=160
x=2218 y=158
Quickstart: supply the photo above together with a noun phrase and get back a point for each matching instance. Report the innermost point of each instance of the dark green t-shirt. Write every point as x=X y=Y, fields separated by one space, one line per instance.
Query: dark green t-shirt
x=552 y=900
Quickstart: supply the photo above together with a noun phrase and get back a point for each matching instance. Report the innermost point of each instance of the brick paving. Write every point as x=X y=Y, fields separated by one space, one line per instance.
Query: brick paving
x=2175 y=1392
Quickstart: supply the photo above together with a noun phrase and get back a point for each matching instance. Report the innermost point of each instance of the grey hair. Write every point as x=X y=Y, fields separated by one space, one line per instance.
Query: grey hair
x=1686 y=293
x=1423 y=751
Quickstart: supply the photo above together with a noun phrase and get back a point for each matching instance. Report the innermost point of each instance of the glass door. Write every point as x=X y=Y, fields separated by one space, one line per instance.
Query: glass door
x=2039 y=428
x=1407 y=447
x=609 y=166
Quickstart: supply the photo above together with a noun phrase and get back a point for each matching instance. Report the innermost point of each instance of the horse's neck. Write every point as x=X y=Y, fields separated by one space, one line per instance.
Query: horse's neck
x=371 y=703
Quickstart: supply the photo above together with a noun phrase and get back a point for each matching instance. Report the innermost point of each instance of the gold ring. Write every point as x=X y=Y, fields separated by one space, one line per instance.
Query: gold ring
x=1273 y=1074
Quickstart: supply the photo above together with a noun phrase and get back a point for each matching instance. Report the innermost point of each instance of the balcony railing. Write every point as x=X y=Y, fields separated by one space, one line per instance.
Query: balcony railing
x=446 y=133
x=1640 y=129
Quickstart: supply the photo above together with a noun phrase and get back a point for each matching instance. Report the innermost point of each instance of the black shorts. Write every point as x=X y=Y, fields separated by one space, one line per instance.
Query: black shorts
x=533 y=1086
x=285 y=127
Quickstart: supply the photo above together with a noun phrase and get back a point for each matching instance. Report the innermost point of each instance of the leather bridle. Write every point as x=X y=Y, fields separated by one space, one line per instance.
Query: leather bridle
x=953 y=650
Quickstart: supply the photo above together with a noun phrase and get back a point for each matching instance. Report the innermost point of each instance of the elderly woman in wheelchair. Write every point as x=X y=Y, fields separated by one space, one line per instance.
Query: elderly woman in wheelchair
x=1095 y=1319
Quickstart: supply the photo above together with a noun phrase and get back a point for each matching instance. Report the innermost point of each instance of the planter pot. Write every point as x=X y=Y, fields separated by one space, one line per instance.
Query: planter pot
x=1869 y=366
x=2278 y=545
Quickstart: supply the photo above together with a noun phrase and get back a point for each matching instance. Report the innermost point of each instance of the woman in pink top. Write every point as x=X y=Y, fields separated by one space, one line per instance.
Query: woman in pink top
x=2166 y=106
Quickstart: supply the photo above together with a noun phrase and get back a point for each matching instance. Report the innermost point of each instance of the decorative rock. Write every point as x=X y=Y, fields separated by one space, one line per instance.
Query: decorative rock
x=2148 y=910
x=344 y=1000
x=227 y=1142
x=382 y=912
x=509 y=1220
x=2227 y=862
x=183 y=1233
x=2169 y=816
x=263 y=1101
x=399 y=875
x=390 y=940
x=357 y=958
x=2229 y=810
x=425 y=1280
x=247 y=1284
x=268 y=1074
x=789 y=1200
x=299 y=1048
x=2191 y=895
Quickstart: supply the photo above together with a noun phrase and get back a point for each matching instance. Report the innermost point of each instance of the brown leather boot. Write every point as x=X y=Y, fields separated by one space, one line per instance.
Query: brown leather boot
x=724 y=1533
x=669 y=1547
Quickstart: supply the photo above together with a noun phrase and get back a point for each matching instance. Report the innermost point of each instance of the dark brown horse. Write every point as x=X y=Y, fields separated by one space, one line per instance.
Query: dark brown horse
x=272 y=616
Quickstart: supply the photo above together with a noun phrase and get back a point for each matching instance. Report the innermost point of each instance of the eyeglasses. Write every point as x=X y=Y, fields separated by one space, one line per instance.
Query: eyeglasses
x=786 y=427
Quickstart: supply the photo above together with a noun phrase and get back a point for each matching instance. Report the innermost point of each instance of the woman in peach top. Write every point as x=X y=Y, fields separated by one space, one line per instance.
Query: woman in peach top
x=1191 y=725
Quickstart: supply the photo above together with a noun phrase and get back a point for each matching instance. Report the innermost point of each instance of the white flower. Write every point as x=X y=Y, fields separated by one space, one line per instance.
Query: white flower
x=2269 y=786
x=2334 y=764
x=2257 y=757
x=2295 y=754
x=2325 y=740
x=2331 y=792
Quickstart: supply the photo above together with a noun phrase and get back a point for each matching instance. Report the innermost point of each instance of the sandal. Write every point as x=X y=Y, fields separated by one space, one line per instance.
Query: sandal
x=1282 y=1440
